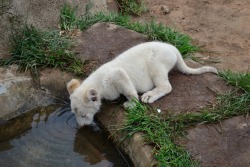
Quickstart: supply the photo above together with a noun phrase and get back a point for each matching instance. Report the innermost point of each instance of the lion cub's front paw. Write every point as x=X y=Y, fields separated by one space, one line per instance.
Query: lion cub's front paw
x=129 y=105
x=148 y=97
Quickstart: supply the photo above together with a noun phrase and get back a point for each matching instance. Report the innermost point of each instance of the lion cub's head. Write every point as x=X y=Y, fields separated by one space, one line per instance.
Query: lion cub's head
x=85 y=102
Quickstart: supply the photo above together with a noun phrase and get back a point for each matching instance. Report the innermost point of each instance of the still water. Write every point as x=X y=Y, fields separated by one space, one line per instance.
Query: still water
x=49 y=137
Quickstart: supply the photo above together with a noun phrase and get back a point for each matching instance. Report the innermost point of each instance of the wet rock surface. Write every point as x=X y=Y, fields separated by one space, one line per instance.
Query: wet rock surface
x=19 y=93
x=112 y=117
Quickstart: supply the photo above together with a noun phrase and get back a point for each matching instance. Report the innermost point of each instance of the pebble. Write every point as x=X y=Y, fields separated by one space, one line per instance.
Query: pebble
x=165 y=9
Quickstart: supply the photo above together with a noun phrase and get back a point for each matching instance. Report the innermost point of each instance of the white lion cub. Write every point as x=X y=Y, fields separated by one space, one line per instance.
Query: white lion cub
x=141 y=69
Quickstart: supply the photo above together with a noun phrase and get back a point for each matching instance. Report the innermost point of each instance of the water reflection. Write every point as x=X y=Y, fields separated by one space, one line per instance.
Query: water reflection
x=49 y=137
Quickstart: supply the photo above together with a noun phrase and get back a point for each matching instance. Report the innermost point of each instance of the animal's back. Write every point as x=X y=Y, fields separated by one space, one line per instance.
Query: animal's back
x=138 y=60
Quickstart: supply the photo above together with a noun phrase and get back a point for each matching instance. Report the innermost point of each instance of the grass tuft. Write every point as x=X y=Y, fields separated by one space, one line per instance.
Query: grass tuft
x=132 y=7
x=159 y=131
x=239 y=80
x=153 y=30
x=68 y=18
x=33 y=48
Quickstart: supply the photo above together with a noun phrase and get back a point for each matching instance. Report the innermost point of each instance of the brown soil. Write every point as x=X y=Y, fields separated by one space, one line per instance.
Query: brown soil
x=219 y=26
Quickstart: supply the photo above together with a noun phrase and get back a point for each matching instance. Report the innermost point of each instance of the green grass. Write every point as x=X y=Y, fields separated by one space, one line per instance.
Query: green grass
x=239 y=80
x=33 y=49
x=159 y=131
x=132 y=7
x=152 y=30
x=68 y=18
x=163 y=131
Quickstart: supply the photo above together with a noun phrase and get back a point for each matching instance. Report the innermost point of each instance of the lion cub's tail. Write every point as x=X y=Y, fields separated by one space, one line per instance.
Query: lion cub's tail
x=181 y=65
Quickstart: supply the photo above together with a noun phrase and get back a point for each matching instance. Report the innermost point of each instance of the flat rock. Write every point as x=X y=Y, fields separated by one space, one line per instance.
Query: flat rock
x=191 y=93
x=225 y=144
x=17 y=94
x=54 y=81
x=112 y=118
x=104 y=41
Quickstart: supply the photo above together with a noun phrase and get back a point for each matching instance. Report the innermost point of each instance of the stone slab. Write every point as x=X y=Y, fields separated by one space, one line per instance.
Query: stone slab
x=19 y=93
x=102 y=42
x=191 y=93
x=112 y=117
x=226 y=144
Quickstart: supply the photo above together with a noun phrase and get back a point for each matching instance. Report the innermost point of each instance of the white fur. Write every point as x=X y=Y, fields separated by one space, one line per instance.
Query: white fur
x=141 y=69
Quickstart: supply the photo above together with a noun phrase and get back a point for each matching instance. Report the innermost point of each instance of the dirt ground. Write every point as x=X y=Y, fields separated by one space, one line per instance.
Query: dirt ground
x=221 y=27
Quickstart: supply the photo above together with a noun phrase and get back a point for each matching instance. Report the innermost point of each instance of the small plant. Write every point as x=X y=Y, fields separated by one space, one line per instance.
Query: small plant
x=239 y=80
x=32 y=49
x=68 y=19
x=134 y=7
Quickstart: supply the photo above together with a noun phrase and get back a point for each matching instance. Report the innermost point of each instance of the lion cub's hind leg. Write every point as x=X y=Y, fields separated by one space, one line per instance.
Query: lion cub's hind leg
x=162 y=86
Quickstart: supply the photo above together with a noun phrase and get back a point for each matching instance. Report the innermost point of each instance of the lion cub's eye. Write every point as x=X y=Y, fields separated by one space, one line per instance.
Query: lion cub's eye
x=83 y=116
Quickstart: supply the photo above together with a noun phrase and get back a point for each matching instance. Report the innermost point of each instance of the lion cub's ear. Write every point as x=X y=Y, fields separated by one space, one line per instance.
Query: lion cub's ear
x=72 y=85
x=92 y=95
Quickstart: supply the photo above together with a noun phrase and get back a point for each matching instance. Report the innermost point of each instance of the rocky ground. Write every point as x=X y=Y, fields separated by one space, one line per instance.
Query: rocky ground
x=220 y=27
